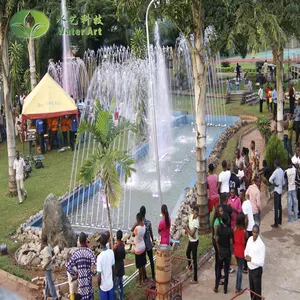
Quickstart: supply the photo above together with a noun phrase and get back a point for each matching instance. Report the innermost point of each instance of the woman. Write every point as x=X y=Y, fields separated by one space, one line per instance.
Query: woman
x=235 y=203
x=164 y=226
x=217 y=220
x=240 y=235
x=224 y=241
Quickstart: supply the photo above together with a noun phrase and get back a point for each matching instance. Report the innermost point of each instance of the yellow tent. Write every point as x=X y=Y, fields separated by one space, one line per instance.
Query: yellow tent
x=47 y=100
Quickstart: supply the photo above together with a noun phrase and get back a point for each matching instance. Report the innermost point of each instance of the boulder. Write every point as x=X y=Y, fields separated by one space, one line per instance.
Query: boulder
x=56 y=225
x=36 y=261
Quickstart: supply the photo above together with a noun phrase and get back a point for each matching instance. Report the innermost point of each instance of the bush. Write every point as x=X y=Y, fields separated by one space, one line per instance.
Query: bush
x=275 y=150
x=225 y=64
x=264 y=127
x=227 y=69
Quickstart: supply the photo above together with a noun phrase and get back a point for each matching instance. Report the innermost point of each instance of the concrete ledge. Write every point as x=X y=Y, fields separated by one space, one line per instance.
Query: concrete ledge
x=19 y=280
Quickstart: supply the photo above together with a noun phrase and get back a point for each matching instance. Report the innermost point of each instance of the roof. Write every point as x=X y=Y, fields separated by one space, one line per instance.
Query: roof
x=48 y=99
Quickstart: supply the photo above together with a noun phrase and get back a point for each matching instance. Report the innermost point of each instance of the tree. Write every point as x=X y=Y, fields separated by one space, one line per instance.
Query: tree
x=192 y=17
x=138 y=43
x=6 y=10
x=105 y=162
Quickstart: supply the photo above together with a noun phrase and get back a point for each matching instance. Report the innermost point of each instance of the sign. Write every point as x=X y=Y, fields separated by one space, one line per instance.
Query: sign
x=29 y=24
x=85 y=25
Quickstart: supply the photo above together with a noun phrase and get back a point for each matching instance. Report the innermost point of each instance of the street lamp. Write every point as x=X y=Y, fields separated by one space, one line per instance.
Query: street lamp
x=153 y=106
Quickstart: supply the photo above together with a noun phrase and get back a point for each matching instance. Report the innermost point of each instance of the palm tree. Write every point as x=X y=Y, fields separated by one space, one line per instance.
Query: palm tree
x=107 y=158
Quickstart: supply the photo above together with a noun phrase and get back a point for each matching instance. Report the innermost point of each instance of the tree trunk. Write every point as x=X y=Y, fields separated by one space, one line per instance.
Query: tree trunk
x=31 y=53
x=199 y=73
x=278 y=58
x=11 y=146
x=109 y=218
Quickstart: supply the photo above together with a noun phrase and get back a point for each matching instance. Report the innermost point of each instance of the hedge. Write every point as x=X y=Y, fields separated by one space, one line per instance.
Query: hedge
x=232 y=69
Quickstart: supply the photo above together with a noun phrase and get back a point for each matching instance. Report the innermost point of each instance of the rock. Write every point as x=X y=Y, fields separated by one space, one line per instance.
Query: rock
x=56 y=250
x=56 y=225
x=36 y=261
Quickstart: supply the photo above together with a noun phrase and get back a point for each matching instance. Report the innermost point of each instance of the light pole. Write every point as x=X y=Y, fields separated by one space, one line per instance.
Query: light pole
x=153 y=106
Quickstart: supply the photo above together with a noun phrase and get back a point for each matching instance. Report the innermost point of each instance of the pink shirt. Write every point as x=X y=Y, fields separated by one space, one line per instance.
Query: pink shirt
x=254 y=195
x=236 y=204
x=212 y=181
x=164 y=232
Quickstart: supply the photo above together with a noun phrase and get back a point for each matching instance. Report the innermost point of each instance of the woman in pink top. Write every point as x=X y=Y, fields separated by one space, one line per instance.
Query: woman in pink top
x=164 y=226
x=235 y=203
x=212 y=185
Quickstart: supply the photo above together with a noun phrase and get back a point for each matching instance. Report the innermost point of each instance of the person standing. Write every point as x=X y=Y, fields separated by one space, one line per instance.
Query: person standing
x=238 y=158
x=64 y=129
x=277 y=179
x=40 y=130
x=140 y=247
x=255 y=253
x=235 y=203
x=297 y=120
x=241 y=175
x=290 y=176
x=54 y=129
x=240 y=235
x=47 y=267
x=81 y=265
x=212 y=186
x=265 y=67
x=292 y=94
x=253 y=194
x=254 y=159
x=224 y=241
x=274 y=98
x=268 y=89
x=105 y=270
x=224 y=178
x=164 y=226
x=192 y=231
x=119 y=251
x=261 y=98
x=149 y=239
x=234 y=182
x=247 y=172
x=238 y=70
x=290 y=134
x=73 y=131
x=19 y=166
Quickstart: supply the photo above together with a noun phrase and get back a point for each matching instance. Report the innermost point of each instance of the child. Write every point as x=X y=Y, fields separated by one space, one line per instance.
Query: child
x=119 y=251
x=105 y=265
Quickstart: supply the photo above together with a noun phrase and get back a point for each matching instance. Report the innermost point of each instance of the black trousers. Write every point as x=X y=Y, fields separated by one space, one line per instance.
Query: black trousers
x=292 y=105
x=275 y=112
x=261 y=101
x=255 y=277
x=216 y=257
x=150 y=255
x=42 y=142
x=65 y=137
x=277 y=209
x=193 y=247
x=223 y=262
x=54 y=142
x=72 y=139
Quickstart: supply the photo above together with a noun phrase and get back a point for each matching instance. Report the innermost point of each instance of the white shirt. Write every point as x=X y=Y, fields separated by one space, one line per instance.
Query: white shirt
x=290 y=174
x=47 y=253
x=105 y=262
x=277 y=178
x=193 y=223
x=266 y=65
x=247 y=210
x=19 y=167
x=224 y=178
x=241 y=175
x=295 y=160
x=257 y=251
x=139 y=242
x=260 y=93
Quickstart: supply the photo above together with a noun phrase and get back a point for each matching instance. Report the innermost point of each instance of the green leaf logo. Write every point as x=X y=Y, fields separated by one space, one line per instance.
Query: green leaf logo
x=29 y=24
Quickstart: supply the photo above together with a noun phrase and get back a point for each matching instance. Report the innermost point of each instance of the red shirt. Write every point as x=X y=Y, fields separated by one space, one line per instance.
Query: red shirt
x=239 y=243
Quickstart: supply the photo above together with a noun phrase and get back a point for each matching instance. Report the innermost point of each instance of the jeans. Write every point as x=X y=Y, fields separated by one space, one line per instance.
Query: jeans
x=277 y=209
x=119 y=287
x=109 y=295
x=225 y=261
x=54 y=143
x=256 y=218
x=255 y=282
x=150 y=255
x=239 y=273
x=50 y=287
x=292 y=202
x=21 y=189
x=192 y=247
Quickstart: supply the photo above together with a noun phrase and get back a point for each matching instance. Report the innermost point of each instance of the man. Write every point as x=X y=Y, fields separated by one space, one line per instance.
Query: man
x=223 y=185
x=54 y=129
x=40 y=130
x=247 y=172
x=261 y=98
x=297 y=120
x=81 y=265
x=290 y=176
x=192 y=231
x=296 y=158
x=265 y=67
x=19 y=167
x=73 y=131
x=255 y=253
x=119 y=251
x=274 y=99
x=268 y=89
x=212 y=186
x=65 y=129
x=292 y=94
x=105 y=270
x=277 y=179
x=254 y=159
x=238 y=71
x=234 y=182
x=253 y=194
x=47 y=266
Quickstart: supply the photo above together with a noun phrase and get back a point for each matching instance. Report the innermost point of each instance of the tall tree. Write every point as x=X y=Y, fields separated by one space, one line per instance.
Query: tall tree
x=104 y=163
x=6 y=10
x=192 y=17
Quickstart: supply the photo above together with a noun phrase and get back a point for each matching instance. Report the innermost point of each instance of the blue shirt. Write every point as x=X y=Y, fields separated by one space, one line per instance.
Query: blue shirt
x=277 y=178
x=297 y=112
x=274 y=96
x=74 y=124
x=40 y=126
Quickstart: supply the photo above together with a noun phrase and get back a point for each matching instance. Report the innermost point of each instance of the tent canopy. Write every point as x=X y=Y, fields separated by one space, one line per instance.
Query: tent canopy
x=47 y=100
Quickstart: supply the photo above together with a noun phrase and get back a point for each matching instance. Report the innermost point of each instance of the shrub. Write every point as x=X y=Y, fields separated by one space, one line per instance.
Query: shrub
x=264 y=127
x=225 y=64
x=275 y=150
x=227 y=69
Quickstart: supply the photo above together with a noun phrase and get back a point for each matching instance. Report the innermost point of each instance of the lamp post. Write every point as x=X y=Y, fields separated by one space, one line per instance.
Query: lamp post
x=153 y=106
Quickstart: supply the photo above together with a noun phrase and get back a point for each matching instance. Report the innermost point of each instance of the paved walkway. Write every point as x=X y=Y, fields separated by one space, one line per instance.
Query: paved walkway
x=281 y=275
